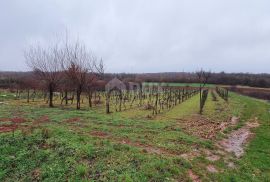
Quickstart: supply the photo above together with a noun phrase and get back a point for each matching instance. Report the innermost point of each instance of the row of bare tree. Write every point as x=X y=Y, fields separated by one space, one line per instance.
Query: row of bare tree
x=64 y=63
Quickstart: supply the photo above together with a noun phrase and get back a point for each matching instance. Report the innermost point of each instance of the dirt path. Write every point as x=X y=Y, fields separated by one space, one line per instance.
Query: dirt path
x=238 y=139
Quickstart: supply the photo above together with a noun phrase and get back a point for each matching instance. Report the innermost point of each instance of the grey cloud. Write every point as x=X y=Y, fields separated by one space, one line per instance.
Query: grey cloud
x=145 y=36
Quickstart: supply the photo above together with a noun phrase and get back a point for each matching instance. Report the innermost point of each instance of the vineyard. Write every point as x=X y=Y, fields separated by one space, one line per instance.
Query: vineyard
x=155 y=99
x=155 y=133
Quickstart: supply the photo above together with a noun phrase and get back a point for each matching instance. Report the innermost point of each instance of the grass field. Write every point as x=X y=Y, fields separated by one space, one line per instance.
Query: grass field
x=61 y=143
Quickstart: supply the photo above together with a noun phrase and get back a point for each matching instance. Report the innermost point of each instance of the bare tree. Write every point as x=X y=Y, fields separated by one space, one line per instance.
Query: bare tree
x=78 y=63
x=45 y=62
x=203 y=78
x=29 y=83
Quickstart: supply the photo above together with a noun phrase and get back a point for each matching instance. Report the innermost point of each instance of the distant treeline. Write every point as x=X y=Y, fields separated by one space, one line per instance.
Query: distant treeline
x=246 y=79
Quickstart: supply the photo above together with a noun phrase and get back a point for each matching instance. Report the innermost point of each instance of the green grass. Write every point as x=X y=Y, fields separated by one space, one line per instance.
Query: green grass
x=255 y=165
x=58 y=150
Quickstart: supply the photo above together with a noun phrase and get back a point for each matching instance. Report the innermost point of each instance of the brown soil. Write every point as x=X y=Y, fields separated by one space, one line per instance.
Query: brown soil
x=213 y=157
x=14 y=120
x=191 y=155
x=36 y=175
x=201 y=126
x=261 y=93
x=73 y=120
x=211 y=169
x=15 y=123
x=193 y=176
x=18 y=120
x=4 y=129
x=231 y=165
x=99 y=134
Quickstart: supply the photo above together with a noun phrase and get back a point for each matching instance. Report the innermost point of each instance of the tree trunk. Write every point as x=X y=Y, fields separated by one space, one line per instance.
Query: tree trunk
x=200 y=99
x=66 y=97
x=50 y=95
x=120 y=98
x=95 y=98
x=90 y=99
x=79 y=91
x=28 y=95
x=107 y=104
x=34 y=95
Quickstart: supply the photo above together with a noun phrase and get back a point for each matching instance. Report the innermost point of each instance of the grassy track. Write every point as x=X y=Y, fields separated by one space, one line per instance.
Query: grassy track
x=88 y=145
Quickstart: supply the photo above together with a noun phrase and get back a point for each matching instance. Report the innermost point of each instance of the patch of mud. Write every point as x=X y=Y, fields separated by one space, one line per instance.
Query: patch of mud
x=210 y=156
x=213 y=158
x=4 y=129
x=211 y=169
x=231 y=165
x=73 y=120
x=36 y=174
x=99 y=134
x=223 y=126
x=18 y=120
x=193 y=176
x=13 y=120
x=191 y=155
x=12 y=125
x=237 y=139
x=221 y=152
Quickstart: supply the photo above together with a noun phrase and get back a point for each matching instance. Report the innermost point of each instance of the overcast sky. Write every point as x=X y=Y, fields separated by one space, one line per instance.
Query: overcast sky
x=145 y=35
